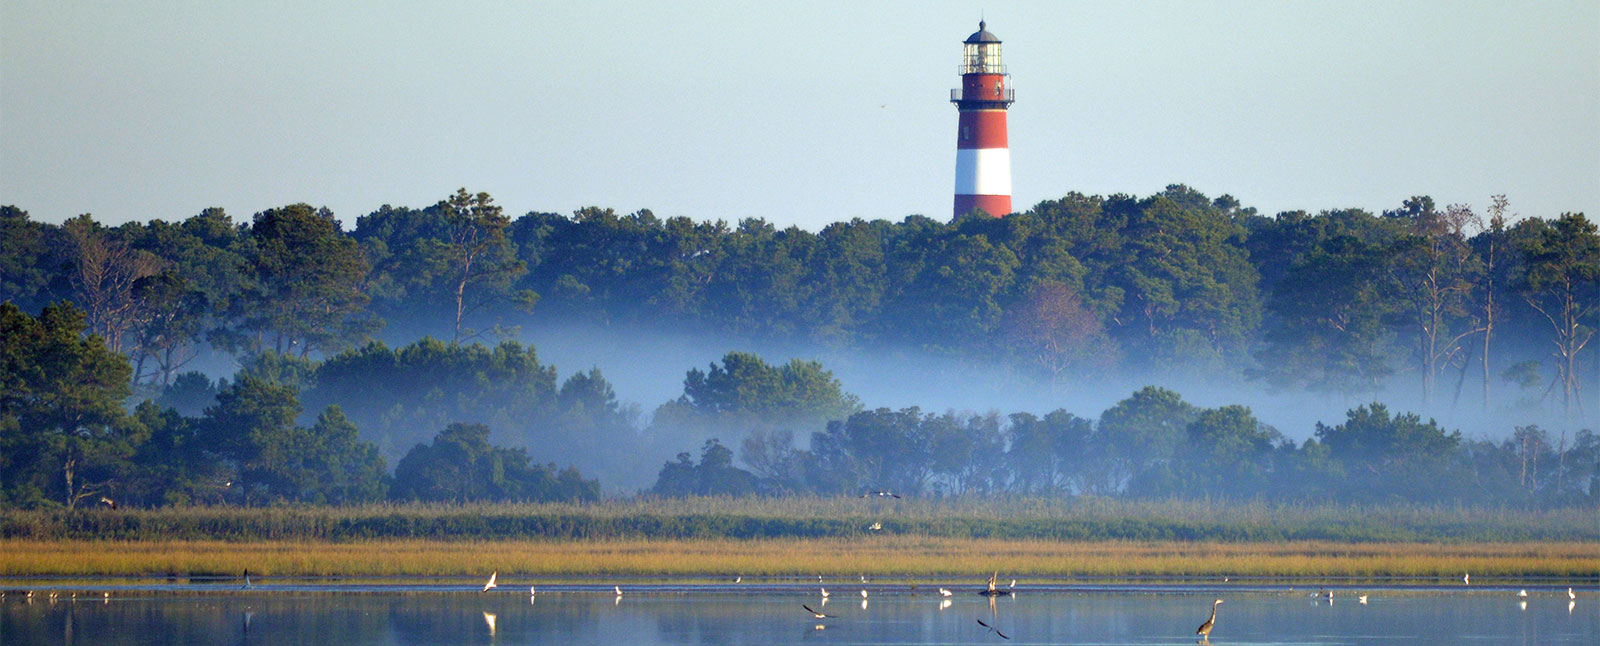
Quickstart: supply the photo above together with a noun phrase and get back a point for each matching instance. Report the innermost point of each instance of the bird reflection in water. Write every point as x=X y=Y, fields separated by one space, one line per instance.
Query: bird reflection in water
x=489 y=619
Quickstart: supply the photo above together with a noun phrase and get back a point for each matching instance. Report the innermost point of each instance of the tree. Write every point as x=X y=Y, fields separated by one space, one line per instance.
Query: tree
x=307 y=288
x=478 y=251
x=1230 y=451
x=107 y=271
x=60 y=407
x=1324 y=328
x=1433 y=270
x=1562 y=283
x=1054 y=331
x=1142 y=434
x=715 y=475
x=461 y=466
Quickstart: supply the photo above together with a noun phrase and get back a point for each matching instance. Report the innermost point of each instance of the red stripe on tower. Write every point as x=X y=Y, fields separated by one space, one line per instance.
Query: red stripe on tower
x=983 y=159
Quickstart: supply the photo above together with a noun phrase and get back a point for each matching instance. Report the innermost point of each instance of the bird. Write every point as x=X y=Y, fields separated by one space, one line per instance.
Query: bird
x=876 y=526
x=1362 y=599
x=618 y=588
x=943 y=592
x=491 y=583
x=1205 y=629
x=738 y=579
x=1570 y=595
x=247 y=584
x=863 y=594
x=815 y=613
x=1522 y=593
x=824 y=593
x=1466 y=579
x=863 y=578
x=531 y=591
x=1330 y=595
x=992 y=629
x=1012 y=585
x=109 y=502
x=992 y=591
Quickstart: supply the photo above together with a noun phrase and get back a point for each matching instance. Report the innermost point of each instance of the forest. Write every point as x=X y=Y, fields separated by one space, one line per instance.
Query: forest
x=394 y=343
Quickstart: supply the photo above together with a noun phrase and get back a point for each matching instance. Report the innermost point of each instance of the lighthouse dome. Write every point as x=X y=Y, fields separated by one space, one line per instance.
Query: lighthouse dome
x=982 y=35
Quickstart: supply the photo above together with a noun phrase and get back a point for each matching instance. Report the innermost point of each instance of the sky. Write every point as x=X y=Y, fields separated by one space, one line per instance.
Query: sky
x=800 y=113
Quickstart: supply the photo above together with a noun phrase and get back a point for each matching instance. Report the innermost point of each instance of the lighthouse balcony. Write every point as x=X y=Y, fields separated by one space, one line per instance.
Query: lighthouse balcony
x=1005 y=95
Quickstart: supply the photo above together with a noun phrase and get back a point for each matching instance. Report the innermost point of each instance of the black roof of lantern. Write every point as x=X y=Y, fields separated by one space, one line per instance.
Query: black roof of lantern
x=982 y=35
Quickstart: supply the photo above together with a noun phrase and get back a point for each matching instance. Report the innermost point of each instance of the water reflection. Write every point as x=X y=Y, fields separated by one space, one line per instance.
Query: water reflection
x=896 y=615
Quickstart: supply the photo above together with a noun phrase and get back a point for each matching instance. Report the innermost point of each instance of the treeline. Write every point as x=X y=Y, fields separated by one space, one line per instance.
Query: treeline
x=1480 y=309
x=67 y=440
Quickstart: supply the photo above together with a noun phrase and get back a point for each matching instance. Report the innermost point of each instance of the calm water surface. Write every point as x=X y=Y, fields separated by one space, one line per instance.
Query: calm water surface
x=771 y=615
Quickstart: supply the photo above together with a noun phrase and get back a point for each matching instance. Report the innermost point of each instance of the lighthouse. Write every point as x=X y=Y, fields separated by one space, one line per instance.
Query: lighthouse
x=983 y=160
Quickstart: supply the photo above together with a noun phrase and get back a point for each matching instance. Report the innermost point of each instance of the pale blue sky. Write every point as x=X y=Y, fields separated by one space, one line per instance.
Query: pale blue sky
x=802 y=113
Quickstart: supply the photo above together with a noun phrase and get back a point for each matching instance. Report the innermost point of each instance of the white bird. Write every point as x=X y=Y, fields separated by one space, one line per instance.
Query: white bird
x=1570 y=595
x=863 y=594
x=943 y=592
x=863 y=578
x=1362 y=599
x=618 y=588
x=531 y=591
x=876 y=526
x=738 y=579
x=1522 y=593
x=491 y=583
x=1466 y=579
x=824 y=593
x=1012 y=585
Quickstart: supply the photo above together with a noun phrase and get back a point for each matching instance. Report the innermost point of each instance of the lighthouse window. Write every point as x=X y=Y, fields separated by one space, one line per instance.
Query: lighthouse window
x=966 y=133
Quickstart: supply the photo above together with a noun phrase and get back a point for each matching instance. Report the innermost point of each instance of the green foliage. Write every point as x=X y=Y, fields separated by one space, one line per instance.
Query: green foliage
x=715 y=475
x=461 y=466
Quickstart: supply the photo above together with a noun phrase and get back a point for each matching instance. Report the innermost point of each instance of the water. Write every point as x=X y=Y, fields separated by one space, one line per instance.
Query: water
x=771 y=615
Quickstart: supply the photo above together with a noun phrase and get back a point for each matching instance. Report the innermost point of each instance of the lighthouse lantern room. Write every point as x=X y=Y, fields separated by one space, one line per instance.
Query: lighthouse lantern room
x=983 y=158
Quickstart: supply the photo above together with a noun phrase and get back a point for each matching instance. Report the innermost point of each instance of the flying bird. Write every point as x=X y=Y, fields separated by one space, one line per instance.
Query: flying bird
x=876 y=526
x=109 y=502
x=992 y=629
x=491 y=583
x=816 y=614
x=1205 y=629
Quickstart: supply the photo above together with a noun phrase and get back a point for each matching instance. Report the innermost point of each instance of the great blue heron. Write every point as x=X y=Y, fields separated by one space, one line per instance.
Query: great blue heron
x=1205 y=629
x=816 y=614
x=993 y=591
x=491 y=583
x=247 y=584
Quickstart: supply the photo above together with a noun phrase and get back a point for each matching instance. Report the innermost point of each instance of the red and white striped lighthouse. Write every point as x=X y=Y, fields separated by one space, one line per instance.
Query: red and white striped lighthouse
x=983 y=161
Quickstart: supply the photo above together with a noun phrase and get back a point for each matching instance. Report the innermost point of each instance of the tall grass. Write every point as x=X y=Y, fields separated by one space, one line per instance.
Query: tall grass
x=1077 y=519
x=886 y=558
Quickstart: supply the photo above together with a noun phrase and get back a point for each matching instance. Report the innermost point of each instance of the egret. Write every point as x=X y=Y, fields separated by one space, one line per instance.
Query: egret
x=992 y=629
x=1205 y=629
x=1466 y=579
x=491 y=583
x=618 y=588
x=738 y=579
x=531 y=591
x=817 y=614
x=824 y=593
x=1570 y=595
x=876 y=526
x=863 y=594
x=1522 y=593
x=1362 y=599
x=1012 y=585
x=943 y=592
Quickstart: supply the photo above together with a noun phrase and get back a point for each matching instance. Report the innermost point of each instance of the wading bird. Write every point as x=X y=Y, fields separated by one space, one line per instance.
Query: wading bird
x=738 y=579
x=824 y=593
x=1466 y=579
x=943 y=592
x=863 y=594
x=1204 y=631
x=815 y=613
x=1362 y=599
x=992 y=629
x=1570 y=595
x=618 y=588
x=247 y=584
x=992 y=591
x=491 y=583
x=1522 y=593
x=108 y=502
x=875 y=526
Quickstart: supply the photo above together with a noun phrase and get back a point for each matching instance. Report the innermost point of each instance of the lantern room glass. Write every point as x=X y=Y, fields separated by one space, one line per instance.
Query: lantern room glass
x=982 y=58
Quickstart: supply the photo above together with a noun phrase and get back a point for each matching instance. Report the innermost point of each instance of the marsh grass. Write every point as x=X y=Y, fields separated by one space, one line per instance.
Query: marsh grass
x=1074 y=519
x=878 y=557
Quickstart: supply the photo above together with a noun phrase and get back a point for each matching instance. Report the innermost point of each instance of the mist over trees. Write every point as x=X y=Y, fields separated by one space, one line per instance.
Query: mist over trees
x=1485 y=313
